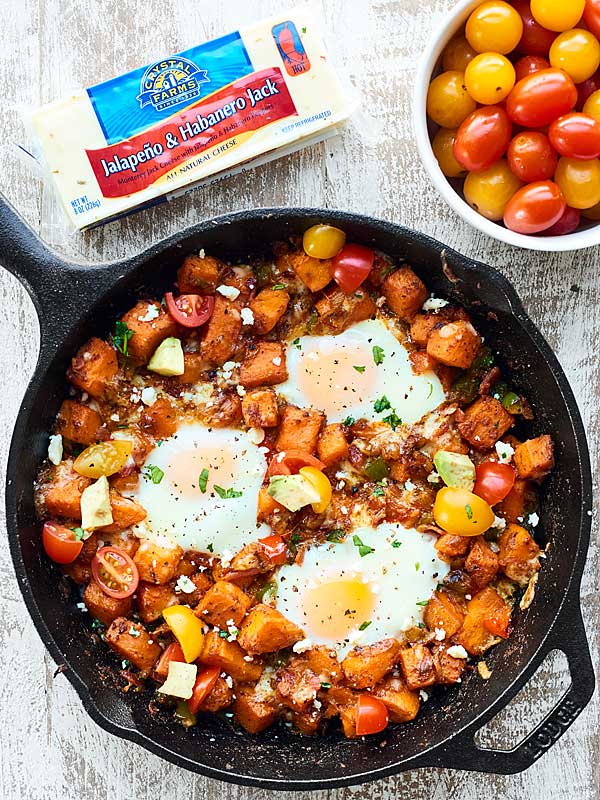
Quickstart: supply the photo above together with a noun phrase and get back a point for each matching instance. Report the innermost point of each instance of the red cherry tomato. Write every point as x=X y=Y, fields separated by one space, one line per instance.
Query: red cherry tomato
x=204 y=683
x=498 y=624
x=190 y=310
x=482 y=138
x=536 y=40
x=274 y=548
x=591 y=16
x=587 y=89
x=351 y=266
x=539 y=98
x=531 y=157
x=568 y=223
x=528 y=65
x=115 y=572
x=60 y=543
x=172 y=653
x=371 y=715
x=576 y=136
x=493 y=481
x=535 y=208
x=289 y=462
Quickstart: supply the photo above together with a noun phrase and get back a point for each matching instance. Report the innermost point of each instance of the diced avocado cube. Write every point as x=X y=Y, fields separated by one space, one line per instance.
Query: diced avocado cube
x=455 y=469
x=168 y=358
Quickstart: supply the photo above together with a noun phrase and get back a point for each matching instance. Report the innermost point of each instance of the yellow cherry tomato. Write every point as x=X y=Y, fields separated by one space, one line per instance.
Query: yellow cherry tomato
x=104 y=458
x=323 y=241
x=187 y=629
x=579 y=181
x=490 y=78
x=557 y=15
x=462 y=513
x=457 y=54
x=494 y=26
x=592 y=105
x=448 y=102
x=592 y=213
x=489 y=191
x=321 y=483
x=577 y=52
x=443 y=149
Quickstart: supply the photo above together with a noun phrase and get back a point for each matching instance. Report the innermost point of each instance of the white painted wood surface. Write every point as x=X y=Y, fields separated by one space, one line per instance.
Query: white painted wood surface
x=49 y=748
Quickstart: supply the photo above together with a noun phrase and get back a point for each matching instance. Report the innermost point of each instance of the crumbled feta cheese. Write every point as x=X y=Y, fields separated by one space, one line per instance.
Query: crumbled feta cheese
x=226 y=557
x=202 y=253
x=434 y=304
x=82 y=606
x=457 y=651
x=409 y=485
x=344 y=509
x=440 y=634
x=134 y=632
x=229 y=366
x=152 y=312
x=248 y=658
x=505 y=452
x=184 y=584
x=135 y=397
x=468 y=597
x=115 y=417
x=148 y=396
x=424 y=695
x=230 y=292
x=229 y=681
x=55 y=449
x=180 y=680
x=533 y=519
x=277 y=361
x=247 y=316
x=317 y=704
x=302 y=646
x=256 y=435
x=84 y=397
x=499 y=523
x=433 y=477
x=240 y=390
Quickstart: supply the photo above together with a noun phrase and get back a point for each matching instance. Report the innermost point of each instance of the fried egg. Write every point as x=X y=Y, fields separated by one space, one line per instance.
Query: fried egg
x=339 y=375
x=207 y=496
x=371 y=586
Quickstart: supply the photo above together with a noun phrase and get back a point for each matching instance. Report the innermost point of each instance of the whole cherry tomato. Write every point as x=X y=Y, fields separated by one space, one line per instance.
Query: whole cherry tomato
x=448 y=101
x=528 y=65
x=579 y=181
x=351 y=266
x=190 y=310
x=205 y=681
x=323 y=241
x=568 y=223
x=586 y=89
x=115 y=571
x=540 y=98
x=60 y=543
x=489 y=191
x=531 y=157
x=493 y=481
x=592 y=105
x=576 y=136
x=371 y=715
x=457 y=54
x=577 y=52
x=274 y=548
x=494 y=26
x=443 y=149
x=489 y=78
x=482 y=138
x=536 y=40
x=535 y=208
x=591 y=16
x=557 y=15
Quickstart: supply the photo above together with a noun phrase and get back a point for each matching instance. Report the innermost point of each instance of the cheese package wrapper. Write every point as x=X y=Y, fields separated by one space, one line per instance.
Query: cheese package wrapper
x=146 y=136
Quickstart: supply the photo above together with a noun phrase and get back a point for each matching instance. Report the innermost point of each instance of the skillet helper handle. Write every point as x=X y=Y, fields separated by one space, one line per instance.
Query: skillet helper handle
x=568 y=635
x=22 y=252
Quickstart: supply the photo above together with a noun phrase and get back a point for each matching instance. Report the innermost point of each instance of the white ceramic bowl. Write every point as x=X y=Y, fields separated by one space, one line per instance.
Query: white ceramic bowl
x=451 y=24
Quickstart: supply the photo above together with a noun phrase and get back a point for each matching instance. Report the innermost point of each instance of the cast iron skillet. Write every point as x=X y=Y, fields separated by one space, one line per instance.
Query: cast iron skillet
x=75 y=301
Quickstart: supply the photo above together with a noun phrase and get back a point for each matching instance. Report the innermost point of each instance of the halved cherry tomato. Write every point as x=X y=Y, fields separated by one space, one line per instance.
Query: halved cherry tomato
x=499 y=623
x=323 y=241
x=274 y=548
x=535 y=208
x=104 y=458
x=172 y=653
x=531 y=157
x=568 y=223
x=539 y=98
x=371 y=715
x=190 y=310
x=529 y=65
x=321 y=483
x=461 y=513
x=289 y=462
x=577 y=52
x=493 y=481
x=351 y=266
x=557 y=15
x=482 y=138
x=576 y=136
x=536 y=40
x=204 y=683
x=591 y=16
x=187 y=629
x=60 y=543
x=115 y=572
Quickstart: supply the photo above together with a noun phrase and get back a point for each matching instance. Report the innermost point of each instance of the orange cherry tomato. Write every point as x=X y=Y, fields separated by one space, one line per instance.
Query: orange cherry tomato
x=499 y=623
x=371 y=715
x=489 y=78
x=448 y=101
x=531 y=157
x=493 y=481
x=323 y=241
x=536 y=40
x=579 y=181
x=482 y=138
x=457 y=54
x=528 y=65
x=539 y=98
x=204 y=683
x=576 y=136
x=351 y=266
x=591 y=16
x=172 y=653
x=557 y=15
x=568 y=223
x=461 y=513
x=289 y=462
x=592 y=105
x=443 y=149
x=535 y=208
x=489 y=191
x=190 y=310
x=274 y=548
x=577 y=52
x=115 y=572
x=60 y=543
x=494 y=26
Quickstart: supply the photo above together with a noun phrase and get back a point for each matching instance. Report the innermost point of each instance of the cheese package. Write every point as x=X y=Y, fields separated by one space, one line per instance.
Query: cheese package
x=146 y=136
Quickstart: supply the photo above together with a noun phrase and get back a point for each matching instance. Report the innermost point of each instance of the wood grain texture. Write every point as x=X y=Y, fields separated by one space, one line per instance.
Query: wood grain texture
x=49 y=747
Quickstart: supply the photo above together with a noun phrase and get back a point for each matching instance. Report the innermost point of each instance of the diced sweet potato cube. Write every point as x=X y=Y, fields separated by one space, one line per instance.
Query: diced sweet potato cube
x=485 y=422
x=252 y=711
x=263 y=365
x=266 y=630
x=444 y=611
x=417 y=666
x=481 y=563
x=449 y=546
x=315 y=273
x=518 y=501
x=405 y=293
x=223 y=602
x=421 y=362
x=105 y=608
x=332 y=445
x=195 y=365
x=268 y=307
x=222 y=331
x=157 y=564
x=160 y=419
x=307 y=721
x=61 y=496
x=78 y=422
x=79 y=573
x=197 y=274
x=126 y=542
x=324 y=664
x=152 y=599
x=402 y=704
x=365 y=666
x=342 y=702
x=229 y=656
x=455 y=344
x=299 y=429
x=259 y=408
x=448 y=668
x=337 y=310
x=486 y=606
x=148 y=330
x=94 y=367
x=266 y=504
x=519 y=554
x=126 y=513
x=297 y=685
x=138 y=647
x=219 y=697
x=535 y=458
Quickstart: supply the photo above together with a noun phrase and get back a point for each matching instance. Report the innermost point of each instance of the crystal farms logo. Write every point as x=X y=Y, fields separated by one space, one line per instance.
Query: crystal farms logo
x=171 y=82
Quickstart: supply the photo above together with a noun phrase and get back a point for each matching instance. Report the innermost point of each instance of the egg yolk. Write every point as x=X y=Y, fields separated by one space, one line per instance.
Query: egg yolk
x=336 y=380
x=335 y=608
x=184 y=469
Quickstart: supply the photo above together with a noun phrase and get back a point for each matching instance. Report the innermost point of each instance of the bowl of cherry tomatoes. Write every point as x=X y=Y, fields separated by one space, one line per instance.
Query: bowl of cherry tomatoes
x=507 y=119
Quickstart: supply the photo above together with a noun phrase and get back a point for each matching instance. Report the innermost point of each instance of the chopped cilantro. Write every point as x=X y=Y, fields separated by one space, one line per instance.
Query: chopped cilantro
x=295 y=538
x=325 y=685
x=120 y=338
x=312 y=320
x=393 y=419
x=96 y=624
x=379 y=490
x=210 y=548
x=349 y=421
x=396 y=544
x=203 y=480
x=336 y=535
x=430 y=390
x=154 y=474
x=223 y=634
x=297 y=344
x=278 y=286
x=417 y=566
x=363 y=626
x=382 y=404
x=363 y=549
x=469 y=511
x=78 y=533
x=378 y=354
x=227 y=494
x=159 y=442
x=422 y=602
x=359 y=369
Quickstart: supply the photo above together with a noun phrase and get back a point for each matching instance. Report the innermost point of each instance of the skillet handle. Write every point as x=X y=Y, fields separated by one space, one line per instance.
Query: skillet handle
x=569 y=636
